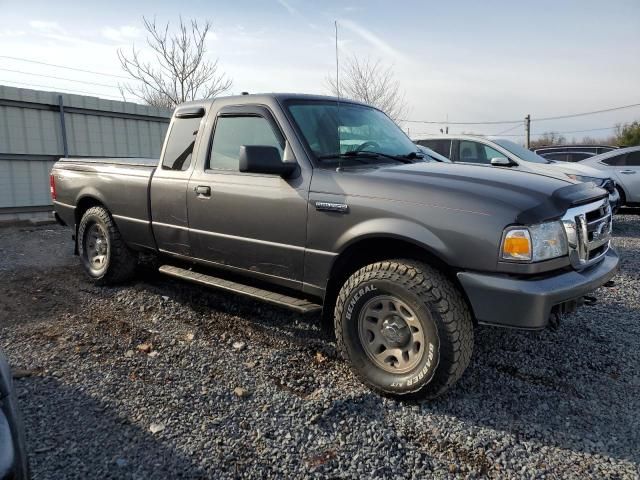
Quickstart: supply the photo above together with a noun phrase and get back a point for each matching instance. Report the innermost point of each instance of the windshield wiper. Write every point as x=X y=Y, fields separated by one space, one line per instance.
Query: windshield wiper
x=410 y=157
x=369 y=154
x=344 y=155
x=349 y=155
x=414 y=155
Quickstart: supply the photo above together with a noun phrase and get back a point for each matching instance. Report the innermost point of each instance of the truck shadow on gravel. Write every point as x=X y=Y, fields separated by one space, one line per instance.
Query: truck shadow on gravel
x=216 y=311
x=91 y=442
x=552 y=388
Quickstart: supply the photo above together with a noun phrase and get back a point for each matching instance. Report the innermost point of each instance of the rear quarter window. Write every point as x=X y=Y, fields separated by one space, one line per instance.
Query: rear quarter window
x=179 y=149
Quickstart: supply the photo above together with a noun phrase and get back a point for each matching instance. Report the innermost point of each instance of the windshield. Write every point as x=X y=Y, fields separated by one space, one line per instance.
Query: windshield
x=519 y=151
x=333 y=128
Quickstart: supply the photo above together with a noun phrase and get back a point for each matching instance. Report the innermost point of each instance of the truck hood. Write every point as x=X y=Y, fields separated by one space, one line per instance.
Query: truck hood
x=515 y=195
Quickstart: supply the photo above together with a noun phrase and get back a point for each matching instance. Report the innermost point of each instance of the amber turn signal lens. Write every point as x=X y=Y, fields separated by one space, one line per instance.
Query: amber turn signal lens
x=517 y=245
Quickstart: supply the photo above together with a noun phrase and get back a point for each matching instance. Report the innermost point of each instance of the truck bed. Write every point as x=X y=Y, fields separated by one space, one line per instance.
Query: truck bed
x=129 y=161
x=121 y=184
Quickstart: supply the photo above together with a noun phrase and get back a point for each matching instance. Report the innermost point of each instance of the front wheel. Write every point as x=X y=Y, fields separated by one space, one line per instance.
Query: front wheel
x=405 y=328
x=104 y=255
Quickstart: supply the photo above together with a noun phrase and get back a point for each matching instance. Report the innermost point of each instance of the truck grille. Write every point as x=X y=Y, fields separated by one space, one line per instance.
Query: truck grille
x=588 y=228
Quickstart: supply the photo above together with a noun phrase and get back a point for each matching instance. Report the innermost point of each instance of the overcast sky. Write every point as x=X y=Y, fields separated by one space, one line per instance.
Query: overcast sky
x=462 y=60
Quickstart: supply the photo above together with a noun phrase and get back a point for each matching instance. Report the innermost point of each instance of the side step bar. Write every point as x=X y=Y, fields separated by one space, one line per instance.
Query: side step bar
x=298 y=304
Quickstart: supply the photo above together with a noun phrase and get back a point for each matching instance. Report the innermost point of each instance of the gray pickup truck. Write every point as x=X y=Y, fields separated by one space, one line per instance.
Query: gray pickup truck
x=317 y=203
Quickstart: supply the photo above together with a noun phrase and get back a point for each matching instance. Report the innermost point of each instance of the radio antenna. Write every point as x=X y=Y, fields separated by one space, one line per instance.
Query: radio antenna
x=335 y=23
x=337 y=61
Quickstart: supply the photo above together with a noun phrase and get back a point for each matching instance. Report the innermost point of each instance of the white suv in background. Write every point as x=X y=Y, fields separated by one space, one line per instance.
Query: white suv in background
x=500 y=152
x=624 y=166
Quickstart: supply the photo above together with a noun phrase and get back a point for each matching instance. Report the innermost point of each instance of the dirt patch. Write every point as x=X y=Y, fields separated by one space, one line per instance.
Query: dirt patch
x=34 y=295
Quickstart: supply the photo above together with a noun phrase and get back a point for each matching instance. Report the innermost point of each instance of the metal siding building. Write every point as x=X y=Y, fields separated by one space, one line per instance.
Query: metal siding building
x=37 y=127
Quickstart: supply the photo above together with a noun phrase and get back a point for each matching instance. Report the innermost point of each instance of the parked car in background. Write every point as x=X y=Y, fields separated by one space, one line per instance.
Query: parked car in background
x=595 y=149
x=624 y=166
x=567 y=156
x=431 y=155
x=13 y=452
x=500 y=152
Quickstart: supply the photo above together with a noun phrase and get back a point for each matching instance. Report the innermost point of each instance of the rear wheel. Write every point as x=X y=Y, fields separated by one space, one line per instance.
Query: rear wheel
x=405 y=328
x=104 y=255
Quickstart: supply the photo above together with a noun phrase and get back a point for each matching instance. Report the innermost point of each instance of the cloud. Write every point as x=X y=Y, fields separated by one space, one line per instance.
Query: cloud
x=53 y=32
x=288 y=7
x=10 y=33
x=294 y=11
x=373 y=40
x=122 y=34
x=47 y=27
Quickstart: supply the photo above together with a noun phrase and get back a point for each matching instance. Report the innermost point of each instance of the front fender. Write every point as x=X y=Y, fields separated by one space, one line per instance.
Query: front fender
x=320 y=264
x=394 y=228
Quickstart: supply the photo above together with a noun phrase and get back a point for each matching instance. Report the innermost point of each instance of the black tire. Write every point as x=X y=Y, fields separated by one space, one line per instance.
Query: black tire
x=119 y=262
x=441 y=311
x=623 y=198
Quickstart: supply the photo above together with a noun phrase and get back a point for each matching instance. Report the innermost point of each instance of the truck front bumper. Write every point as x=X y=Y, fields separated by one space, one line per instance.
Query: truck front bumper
x=509 y=301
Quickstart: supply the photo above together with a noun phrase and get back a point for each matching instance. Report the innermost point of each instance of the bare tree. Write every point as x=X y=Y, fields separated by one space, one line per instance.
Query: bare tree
x=179 y=71
x=369 y=81
x=549 y=138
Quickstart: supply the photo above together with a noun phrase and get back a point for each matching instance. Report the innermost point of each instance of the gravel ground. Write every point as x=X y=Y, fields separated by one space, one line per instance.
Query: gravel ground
x=163 y=379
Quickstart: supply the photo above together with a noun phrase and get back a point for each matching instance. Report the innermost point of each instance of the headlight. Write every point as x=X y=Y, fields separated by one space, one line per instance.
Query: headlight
x=534 y=243
x=582 y=178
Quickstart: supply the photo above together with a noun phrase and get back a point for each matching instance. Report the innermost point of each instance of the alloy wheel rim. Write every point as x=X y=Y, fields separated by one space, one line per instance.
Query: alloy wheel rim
x=97 y=247
x=391 y=334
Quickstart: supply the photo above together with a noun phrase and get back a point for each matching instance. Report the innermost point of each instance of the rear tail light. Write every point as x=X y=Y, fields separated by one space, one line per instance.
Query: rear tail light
x=52 y=186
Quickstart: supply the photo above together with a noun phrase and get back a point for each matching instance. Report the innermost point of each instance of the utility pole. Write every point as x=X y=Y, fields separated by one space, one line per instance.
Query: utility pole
x=527 y=130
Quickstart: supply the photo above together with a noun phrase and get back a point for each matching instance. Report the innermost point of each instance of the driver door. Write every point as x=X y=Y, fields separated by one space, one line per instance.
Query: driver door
x=253 y=223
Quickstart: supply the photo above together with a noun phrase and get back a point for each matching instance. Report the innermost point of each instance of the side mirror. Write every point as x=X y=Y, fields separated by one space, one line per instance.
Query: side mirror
x=501 y=162
x=264 y=159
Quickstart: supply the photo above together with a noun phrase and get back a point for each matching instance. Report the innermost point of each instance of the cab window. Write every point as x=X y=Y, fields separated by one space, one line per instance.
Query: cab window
x=231 y=132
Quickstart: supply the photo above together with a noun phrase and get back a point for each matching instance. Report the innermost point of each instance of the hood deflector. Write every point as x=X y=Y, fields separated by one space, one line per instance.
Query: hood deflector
x=555 y=206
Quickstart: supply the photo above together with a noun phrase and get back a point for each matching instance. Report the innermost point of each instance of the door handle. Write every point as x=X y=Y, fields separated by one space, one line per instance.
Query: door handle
x=203 y=190
x=628 y=172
